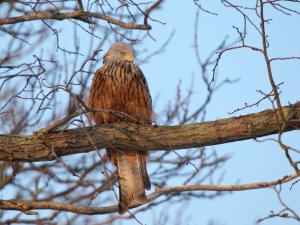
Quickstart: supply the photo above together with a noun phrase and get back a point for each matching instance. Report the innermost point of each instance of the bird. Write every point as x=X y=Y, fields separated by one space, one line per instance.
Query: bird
x=120 y=93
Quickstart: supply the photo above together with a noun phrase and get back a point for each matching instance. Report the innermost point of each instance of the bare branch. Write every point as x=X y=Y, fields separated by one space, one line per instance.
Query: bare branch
x=79 y=15
x=27 y=206
x=267 y=60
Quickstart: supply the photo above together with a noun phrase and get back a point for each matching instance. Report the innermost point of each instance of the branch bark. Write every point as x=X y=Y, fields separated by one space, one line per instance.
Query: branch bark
x=26 y=206
x=47 y=146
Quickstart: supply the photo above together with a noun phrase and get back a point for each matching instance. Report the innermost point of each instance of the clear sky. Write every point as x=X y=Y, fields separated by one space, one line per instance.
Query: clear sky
x=250 y=161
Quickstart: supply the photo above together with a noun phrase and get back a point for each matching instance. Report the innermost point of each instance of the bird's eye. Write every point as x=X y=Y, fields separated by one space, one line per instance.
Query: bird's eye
x=123 y=53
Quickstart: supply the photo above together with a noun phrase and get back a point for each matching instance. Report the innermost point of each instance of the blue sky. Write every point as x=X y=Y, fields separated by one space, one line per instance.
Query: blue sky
x=251 y=161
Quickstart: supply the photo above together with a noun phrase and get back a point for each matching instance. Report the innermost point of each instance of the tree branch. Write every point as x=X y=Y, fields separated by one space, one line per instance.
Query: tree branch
x=26 y=206
x=79 y=15
x=40 y=146
x=268 y=62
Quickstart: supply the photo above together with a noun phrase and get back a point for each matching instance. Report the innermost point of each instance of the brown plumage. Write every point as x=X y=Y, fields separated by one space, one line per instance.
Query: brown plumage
x=120 y=86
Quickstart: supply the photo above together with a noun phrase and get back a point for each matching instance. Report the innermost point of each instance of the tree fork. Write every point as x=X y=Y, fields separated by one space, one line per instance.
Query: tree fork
x=49 y=146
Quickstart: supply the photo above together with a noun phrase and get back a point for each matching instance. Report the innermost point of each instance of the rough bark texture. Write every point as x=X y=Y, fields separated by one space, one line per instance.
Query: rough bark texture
x=47 y=146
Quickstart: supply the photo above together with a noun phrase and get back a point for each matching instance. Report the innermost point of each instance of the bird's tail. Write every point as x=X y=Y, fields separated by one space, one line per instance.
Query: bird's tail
x=133 y=178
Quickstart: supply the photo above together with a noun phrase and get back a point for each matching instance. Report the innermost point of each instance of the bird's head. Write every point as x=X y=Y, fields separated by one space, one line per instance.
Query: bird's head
x=119 y=52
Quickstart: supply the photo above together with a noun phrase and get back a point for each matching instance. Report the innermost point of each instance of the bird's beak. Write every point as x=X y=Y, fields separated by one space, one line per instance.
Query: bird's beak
x=129 y=58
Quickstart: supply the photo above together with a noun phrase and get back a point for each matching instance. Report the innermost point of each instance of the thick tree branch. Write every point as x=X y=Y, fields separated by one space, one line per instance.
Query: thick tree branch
x=41 y=146
x=26 y=205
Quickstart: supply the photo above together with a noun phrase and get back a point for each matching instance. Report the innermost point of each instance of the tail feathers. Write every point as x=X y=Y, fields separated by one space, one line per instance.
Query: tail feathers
x=133 y=179
x=147 y=184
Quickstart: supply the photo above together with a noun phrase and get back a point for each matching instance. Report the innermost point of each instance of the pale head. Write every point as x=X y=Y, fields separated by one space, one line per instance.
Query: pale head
x=119 y=52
